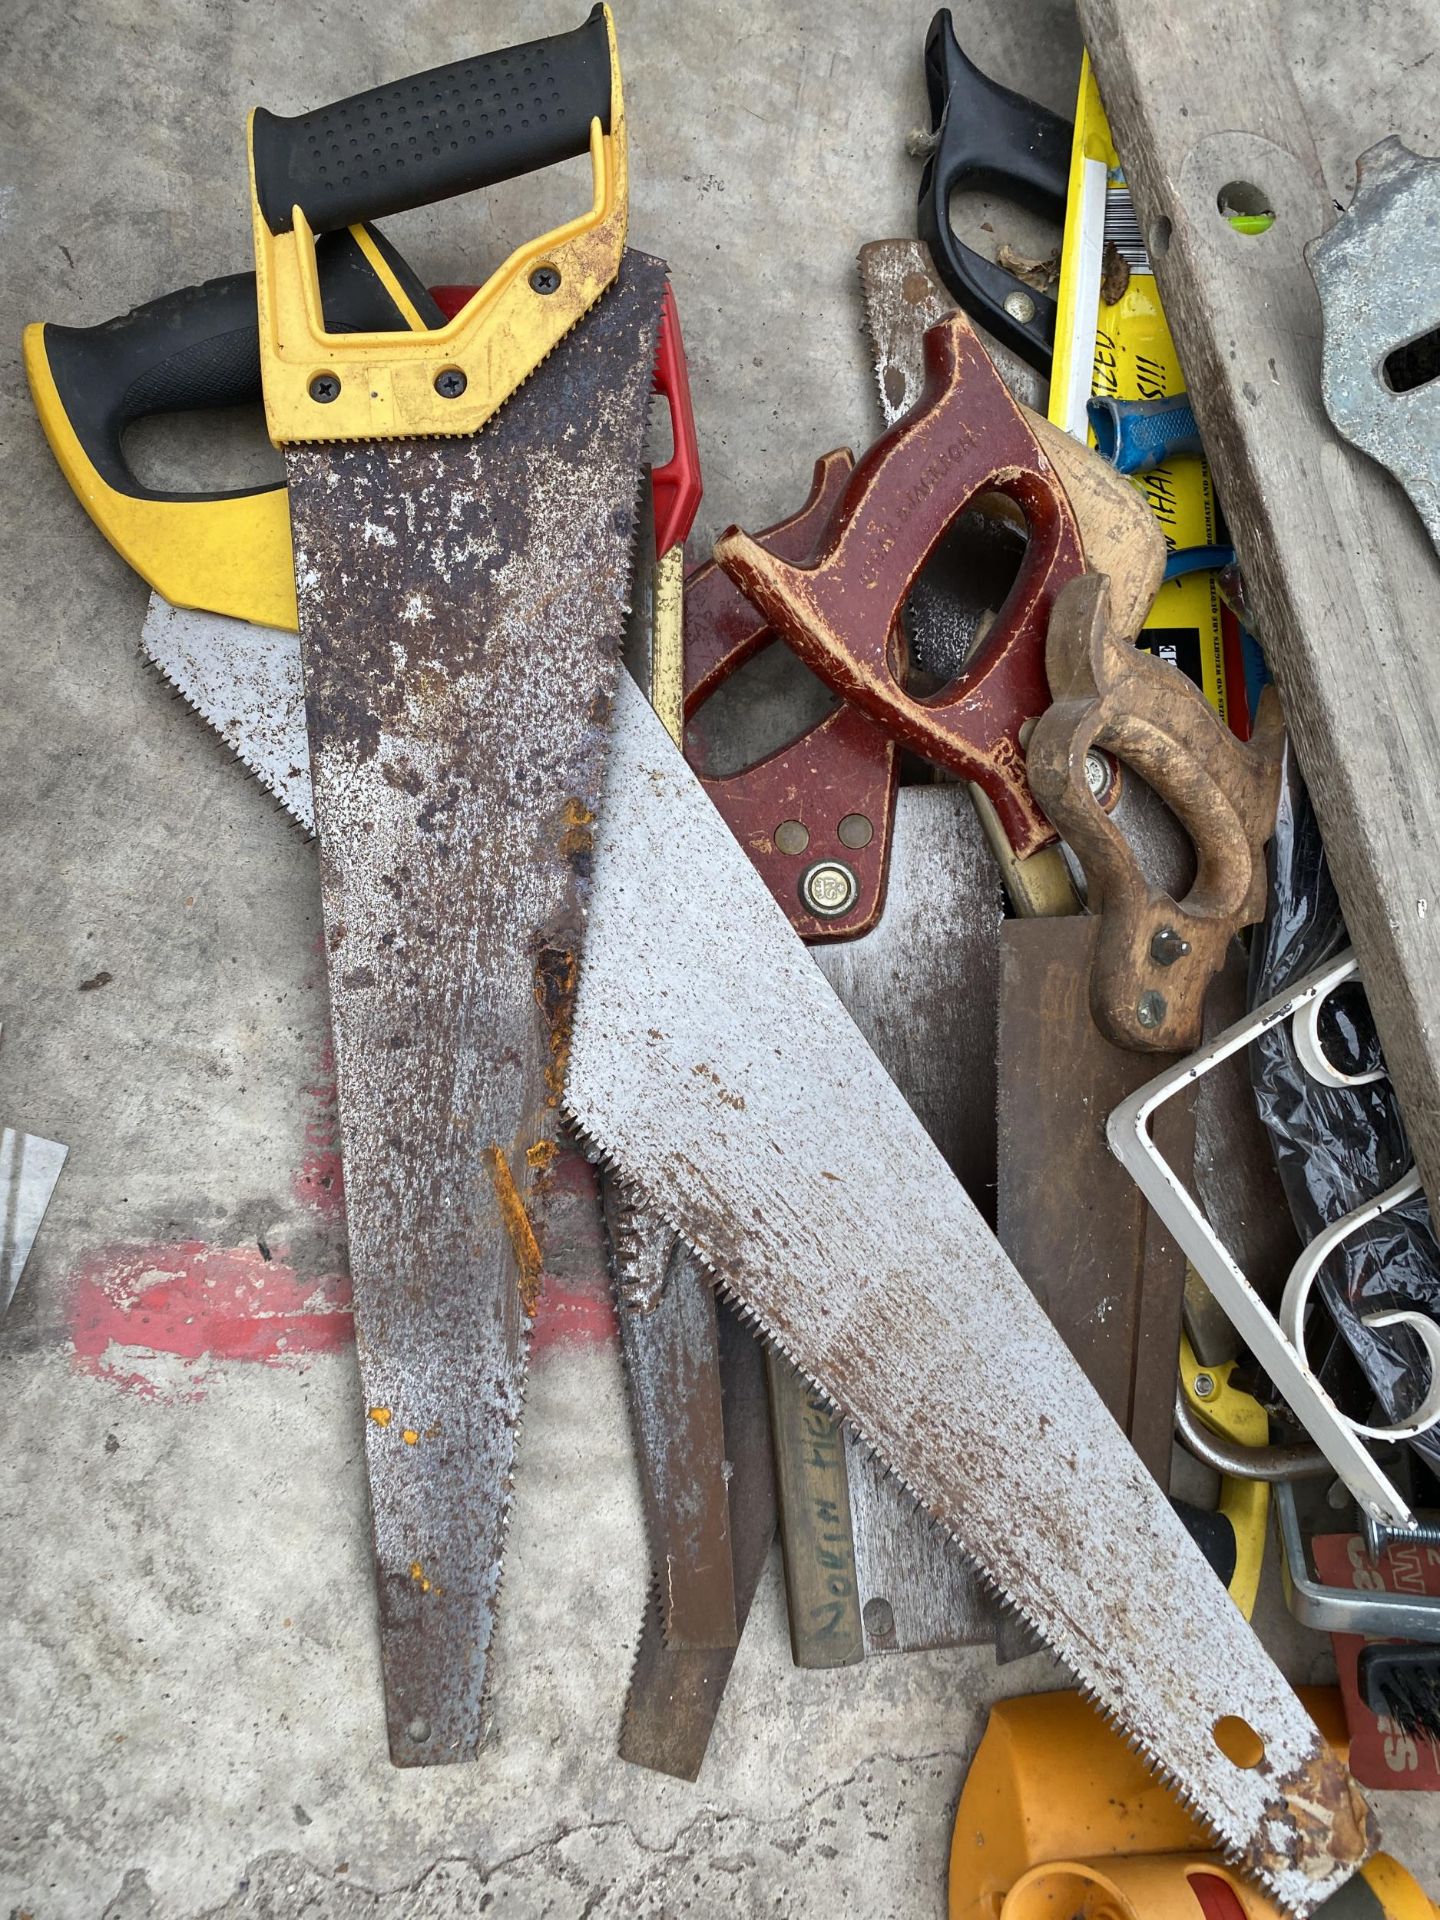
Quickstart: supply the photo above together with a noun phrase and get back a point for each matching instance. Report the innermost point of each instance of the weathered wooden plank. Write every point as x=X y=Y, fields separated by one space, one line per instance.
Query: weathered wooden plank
x=1344 y=583
x=1071 y=1218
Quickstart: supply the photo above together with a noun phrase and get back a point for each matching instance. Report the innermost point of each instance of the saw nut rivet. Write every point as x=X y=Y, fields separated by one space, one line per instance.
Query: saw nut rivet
x=855 y=831
x=545 y=280
x=829 y=888
x=792 y=836
x=1099 y=773
x=418 y=1731
x=1167 y=946
x=325 y=388
x=1152 y=1009
x=1020 y=307
x=450 y=383
x=1204 y=1385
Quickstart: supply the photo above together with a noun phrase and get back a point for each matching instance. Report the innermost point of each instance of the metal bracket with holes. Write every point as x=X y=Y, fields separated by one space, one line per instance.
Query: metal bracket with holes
x=1376 y=271
x=1278 y=1345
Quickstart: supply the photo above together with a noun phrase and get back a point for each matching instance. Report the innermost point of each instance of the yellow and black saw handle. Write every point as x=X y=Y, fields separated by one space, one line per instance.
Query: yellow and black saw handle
x=450 y=131
x=185 y=352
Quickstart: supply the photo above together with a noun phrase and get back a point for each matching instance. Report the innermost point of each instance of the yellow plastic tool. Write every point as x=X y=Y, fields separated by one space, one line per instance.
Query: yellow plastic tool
x=1122 y=347
x=1238 y=1416
x=190 y=350
x=225 y=555
x=1059 y=1820
x=327 y=386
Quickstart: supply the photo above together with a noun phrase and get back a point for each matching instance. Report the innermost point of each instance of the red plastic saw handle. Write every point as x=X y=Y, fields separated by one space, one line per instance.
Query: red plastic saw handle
x=675 y=486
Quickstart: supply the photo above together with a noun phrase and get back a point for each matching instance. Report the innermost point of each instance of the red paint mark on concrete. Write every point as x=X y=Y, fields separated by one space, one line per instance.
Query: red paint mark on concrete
x=319 y=1183
x=135 y=1311
x=576 y=1306
x=573 y=1315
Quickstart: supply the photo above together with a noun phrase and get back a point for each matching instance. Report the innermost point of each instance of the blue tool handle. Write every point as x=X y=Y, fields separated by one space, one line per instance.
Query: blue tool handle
x=1197 y=560
x=1136 y=435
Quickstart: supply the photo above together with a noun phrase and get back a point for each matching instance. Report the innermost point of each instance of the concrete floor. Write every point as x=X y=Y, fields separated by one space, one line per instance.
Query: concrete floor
x=191 y=1717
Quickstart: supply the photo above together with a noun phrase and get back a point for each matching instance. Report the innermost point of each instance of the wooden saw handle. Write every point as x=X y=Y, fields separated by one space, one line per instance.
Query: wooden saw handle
x=1154 y=956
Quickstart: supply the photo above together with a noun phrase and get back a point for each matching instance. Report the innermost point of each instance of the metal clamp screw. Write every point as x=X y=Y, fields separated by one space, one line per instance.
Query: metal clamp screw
x=324 y=388
x=450 y=383
x=1152 y=1009
x=1167 y=946
x=545 y=280
x=1379 y=1534
x=829 y=888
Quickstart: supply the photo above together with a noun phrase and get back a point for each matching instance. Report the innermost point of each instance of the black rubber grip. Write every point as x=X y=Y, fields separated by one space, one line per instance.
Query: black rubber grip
x=1213 y=1533
x=448 y=131
x=994 y=141
x=200 y=348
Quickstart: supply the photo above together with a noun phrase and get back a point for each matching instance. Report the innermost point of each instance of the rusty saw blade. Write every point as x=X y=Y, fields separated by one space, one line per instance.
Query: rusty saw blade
x=742 y=1103
x=675 y=1692
x=462 y=605
x=671 y=1346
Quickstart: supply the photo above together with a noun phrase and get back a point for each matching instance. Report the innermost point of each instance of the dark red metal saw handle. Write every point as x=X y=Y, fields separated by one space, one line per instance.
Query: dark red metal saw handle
x=799 y=812
x=965 y=437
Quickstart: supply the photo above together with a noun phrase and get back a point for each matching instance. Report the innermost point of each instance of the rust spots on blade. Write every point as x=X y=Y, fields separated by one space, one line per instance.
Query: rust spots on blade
x=423 y=1580
x=1318 y=1815
x=542 y=1156
x=517 y=1224
x=704 y=1072
x=556 y=971
x=578 y=839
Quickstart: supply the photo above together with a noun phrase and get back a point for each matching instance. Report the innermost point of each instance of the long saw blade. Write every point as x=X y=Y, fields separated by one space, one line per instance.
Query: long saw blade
x=462 y=606
x=739 y=1099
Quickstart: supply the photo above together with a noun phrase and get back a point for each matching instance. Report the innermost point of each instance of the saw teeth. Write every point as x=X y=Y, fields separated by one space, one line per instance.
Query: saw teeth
x=1226 y=1843
x=177 y=692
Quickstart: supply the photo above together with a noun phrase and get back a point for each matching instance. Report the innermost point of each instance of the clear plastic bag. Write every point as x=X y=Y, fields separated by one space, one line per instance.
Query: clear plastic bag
x=1337 y=1147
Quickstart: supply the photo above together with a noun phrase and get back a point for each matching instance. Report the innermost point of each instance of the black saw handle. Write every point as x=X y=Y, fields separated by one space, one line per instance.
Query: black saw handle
x=456 y=128
x=200 y=348
x=995 y=141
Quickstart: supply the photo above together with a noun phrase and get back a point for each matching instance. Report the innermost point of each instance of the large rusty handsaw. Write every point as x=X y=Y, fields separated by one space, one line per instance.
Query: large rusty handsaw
x=462 y=504
x=580 y=417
